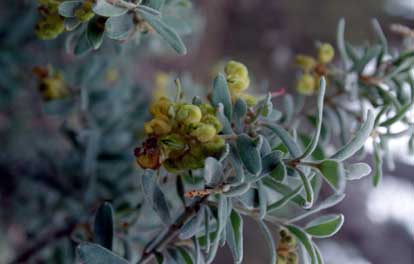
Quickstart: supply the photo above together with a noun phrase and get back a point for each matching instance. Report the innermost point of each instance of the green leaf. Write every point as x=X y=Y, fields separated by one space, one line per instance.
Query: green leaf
x=380 y=33
x=265 y=106
x=271 y=161
x=104 y=225
x=95 y=34
x=325 y=226
x=398 y=116
x=269 y=240
x=318 y=254
x=166 y=32
x=237 y=190
x=105 y=9
x=369 y=55
x=249 y=154
x=325 y=204
x=279 y=173
x=262 y=199
x=213 y=172
x=308 y=188
x=221 y=223
x=239 y=113
x=357 y=141
x=221 y=94
x=118 y=28
x=306 y=241
x=227 y=130
x=156 y=4
x=357 y=171
x=83 y=44
x=287 y=140
x=376 y=179
x=191 y=227
x=334 y=173
x=89 y=253
x=235 y=236
x=185 y=255
x=340 y=41
x=314 y=142
x=68 y=8
x=284 y=190
x=283 y=201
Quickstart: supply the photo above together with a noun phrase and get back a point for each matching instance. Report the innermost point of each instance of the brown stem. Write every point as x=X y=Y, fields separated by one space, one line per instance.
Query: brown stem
x=42 y=242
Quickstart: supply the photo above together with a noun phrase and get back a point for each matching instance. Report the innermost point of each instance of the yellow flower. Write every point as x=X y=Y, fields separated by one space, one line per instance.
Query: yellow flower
x=204 y=132
x=306 y=63
x=84 y=13
x=160 y=108
x=234 y=68
x=53 y=87
x=157 y=126
x=306 y=84
x=326 y=53
x=188 y=114
x=210 y=119
x=207 y=109
x=49 y=27
x=215 y=145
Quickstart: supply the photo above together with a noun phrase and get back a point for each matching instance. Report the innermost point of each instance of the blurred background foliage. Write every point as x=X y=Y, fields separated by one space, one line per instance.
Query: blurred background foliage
x=41 y=159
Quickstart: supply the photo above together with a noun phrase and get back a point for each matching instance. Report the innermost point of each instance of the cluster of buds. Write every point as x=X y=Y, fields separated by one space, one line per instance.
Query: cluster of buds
x=51 y=84
x=238 y=81
x=51 y=24
x=313 y=68
x=180 y=136
x=286 y=249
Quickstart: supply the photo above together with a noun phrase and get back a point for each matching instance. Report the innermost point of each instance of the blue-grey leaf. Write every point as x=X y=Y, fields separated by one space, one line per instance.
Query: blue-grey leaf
x=89 y=253
x=213 y=172
x=221 y=94
x=68 y=8
x=249 y=154
x=235 y=236
x=118 y=28
x=104 y=225
x=105 y=9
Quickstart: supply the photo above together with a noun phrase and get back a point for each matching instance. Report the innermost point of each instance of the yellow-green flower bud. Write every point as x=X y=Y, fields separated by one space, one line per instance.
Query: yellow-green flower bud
x=53 y=87
x=306 y=84
x=207 y=109
x=173 y=142
x=306 y=63
x=188 y=114
x=85 y=13
x=49 y=27
x=189 y=161
x=210 y=119
x=292 y=258
x=160 y=107
x=250 y=100
x=204 y=132
x=326 y=53
x=236 y=69
x=237 y=84
x=157 y=126
x=214 y=146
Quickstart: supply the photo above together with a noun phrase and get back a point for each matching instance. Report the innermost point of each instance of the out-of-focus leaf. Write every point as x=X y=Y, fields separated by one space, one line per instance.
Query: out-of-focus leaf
x=191 y=227
x=68 y=8
x=376 y=179
x=104 y=225
x=235 y=236
x=89 y=253
x=269 y=240
x=118 y=28
x=357 y=171
x=95 y=34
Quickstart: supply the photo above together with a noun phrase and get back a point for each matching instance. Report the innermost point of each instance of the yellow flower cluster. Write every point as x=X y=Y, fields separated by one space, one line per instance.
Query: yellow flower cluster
x=51 y=24
x=313 y=68
x=286 y=249
x=238 y=81
x=51 y=85
x=183 y=135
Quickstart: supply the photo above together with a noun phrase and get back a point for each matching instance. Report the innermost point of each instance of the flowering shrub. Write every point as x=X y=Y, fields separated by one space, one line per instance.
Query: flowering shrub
x=204 y=165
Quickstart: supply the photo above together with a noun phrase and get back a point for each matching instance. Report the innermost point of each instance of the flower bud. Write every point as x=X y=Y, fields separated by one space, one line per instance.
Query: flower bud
x=212 y=120
x=306 y=63
x=236 y=69
x=189 y=161
x=306 y=84
x=214 y=146
x=207 y=109
x=53 y=87
x=188 y=114
x=49 y=27
x=250 y=100
x=326 y=53
x=292 y=258
x=157 y=126
x=160 y=108
x=173 y=142
x=84 y=13
x=237 y=84
x=204 y=132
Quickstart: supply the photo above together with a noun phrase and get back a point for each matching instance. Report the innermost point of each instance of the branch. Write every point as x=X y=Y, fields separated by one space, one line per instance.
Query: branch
x=42 y=242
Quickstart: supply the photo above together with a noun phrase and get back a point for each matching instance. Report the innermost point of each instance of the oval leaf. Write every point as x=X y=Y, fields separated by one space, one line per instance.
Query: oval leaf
x=104 y=225
x=325 y=226
x=89 y=253
x=249 y=154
